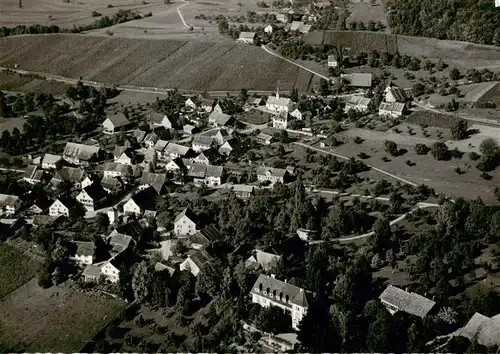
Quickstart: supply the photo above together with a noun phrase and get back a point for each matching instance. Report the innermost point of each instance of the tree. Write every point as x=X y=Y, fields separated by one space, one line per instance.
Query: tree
x=489 y=148
x=391 y=147
x=421 y=149
x=140 y=281
x=382 y=235
x=454 y=74
x=294 y=95
x=274 y=320
x=324 y=87
x=243 y=95
x=440 y=151
x=459 y=129
x=497 y=193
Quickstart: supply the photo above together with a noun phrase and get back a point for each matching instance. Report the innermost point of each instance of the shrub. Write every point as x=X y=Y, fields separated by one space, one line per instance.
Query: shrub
x=358 y=140
x=421 y=149
x=474 y=156
x=486 y=176
x=391 y=147
x=96 y=14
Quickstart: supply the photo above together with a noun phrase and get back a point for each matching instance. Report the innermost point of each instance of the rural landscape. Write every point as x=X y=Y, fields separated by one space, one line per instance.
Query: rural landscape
x=259 y=176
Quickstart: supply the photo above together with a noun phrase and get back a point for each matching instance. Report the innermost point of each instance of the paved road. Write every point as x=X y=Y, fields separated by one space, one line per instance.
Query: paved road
x=348 y=158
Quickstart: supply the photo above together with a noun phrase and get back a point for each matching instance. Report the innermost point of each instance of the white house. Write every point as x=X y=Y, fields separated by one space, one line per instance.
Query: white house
x=88 y=180
x=84 y=254
x=332 y=61
x=268 y=291
x=279 y=104
x=213 y=176
x=51 y=162
x=394 y=109
x=280 y=120
x=282 y=18
x=265 y=139
x=263 y=259
x=62 y=206
x=174 y=151
x=9 y=204
x=297 y=114
x=185 y=223
x=394 y=93
x=150 y=140
x=271 y=174
x=269 y=29
x=139 y=203
x=203 y=142
x=247 y=37
x=300 y=26
x=195 y=262
x=92 y=197
x=110 y=271
x=396 y=299
x=160 y=120
x=114 y=123
x=357 y=103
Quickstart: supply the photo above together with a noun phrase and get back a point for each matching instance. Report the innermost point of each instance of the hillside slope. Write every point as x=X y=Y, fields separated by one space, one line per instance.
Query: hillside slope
x=153 y=63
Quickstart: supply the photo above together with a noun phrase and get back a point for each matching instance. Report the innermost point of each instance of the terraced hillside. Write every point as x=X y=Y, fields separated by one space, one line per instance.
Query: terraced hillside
x=153 y=63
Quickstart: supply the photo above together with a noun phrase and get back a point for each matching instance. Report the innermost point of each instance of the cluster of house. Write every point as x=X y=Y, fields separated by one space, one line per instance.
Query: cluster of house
x=394 y=105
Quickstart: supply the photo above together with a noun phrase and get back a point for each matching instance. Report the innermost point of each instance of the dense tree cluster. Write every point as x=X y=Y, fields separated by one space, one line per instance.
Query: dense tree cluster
x=468 y=20
x=103 y=22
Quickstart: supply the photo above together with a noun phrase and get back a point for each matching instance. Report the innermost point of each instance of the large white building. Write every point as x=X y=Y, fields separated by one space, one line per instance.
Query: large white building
x=279 y=104
x=185 y=223
x=268 y=291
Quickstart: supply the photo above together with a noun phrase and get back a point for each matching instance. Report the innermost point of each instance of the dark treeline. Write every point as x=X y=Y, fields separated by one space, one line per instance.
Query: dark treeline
x=106 y=21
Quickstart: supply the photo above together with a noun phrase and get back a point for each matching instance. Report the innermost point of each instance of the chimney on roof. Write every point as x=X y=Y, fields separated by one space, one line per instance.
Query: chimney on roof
x=273 y=276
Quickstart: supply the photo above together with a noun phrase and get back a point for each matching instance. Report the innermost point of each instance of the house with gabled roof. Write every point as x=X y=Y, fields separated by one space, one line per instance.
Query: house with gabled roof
x=195 y=262
x=81 y=154
x=226 y=149
x=91 y=178
x=141 y=202
x=207 y=157
x=9 y=204
x=297 y=114
x=51 y=162
x=115 y=123
x=265 y=139
x=300 y=26
x=92 y=197
x=150 y=140
x=279 y=104
x=247 y=37
x=186 y=223
x=243 y=191
x=271 y=174
x=394 y=93
x=221 y=135
x=73 y=175
x=160 y=120
x=394 y=109
x=119 y=242
x=219 y=119
x=40 y=206
x=113 y=169
x=174 y=151
x=358 y=103
x=112 y=185
x=83 y=252
x=266 y=260
x=268 y=291
x=396 y=299
x=192 y=102
x=203 y=142
x=155 y=180
x=64 y=205
x=485 y=330
x=33 y=174
x=280 y=120
x=204 y=237
x=136 y=137
x=213 y=175
x=189 y=129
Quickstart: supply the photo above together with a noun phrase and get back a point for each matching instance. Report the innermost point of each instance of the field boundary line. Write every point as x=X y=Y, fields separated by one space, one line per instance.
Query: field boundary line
x=269 y=51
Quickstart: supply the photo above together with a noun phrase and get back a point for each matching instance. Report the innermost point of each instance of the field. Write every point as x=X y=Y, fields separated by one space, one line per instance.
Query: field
x=15 y=269
x=460 y=54
x=16 y=83
x=363 y=10
x=153 y=63
x=439 y=175
x=58 y=319
x=65 y=14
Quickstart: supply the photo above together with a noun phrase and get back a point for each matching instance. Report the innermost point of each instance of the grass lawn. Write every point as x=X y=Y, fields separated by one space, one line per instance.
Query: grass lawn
x=15 y=269
x=58 y=319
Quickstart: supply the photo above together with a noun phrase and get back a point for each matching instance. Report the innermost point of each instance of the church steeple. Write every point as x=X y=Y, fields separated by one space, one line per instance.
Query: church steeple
x=278 y=90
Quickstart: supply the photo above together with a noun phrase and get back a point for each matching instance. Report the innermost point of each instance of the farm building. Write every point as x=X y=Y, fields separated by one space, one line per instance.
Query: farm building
x=81 y=154
x=50 y=161
x=394 y=109
x=247 y=37
x=357 y=103
x=300 y=26
x=203 y=142
x=363 y=80
x=395 y=299
x=115 y=123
